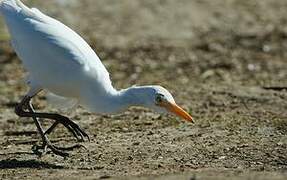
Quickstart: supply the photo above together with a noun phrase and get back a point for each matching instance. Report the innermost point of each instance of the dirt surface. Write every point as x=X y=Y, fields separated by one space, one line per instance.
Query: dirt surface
x=216 y=56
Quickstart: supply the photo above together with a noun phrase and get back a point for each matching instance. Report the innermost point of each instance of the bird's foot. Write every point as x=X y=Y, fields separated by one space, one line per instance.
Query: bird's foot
x=41 y=150
x=74 y=128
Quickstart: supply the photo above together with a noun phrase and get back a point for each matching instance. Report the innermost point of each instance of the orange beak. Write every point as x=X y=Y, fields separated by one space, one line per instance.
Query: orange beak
x=174 y=108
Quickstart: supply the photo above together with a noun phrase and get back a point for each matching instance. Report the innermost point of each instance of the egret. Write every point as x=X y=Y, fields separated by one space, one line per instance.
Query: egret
x=61 y=61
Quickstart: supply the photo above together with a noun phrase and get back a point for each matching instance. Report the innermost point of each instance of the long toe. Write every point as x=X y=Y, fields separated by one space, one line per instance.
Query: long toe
x=74 y=131
x=43 y=149
x=39 y=150
x=82 y=134
x=79 y=131
x=71 y=148
x=57 y=151
x=74 y=128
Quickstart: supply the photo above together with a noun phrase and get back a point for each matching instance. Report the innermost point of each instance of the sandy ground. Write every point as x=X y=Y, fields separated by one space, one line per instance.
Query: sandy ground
x=216 y=56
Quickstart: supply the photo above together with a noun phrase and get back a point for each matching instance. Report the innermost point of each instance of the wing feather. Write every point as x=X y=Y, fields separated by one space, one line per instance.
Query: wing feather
x=50 y=50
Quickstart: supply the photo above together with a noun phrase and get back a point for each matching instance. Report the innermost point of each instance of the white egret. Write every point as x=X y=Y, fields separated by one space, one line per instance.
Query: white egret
x=60 y=61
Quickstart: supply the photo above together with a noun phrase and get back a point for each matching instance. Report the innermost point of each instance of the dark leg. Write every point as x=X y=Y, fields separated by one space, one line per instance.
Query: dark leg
x=46 y=143
x=48 y=131
x=55 y=149
x=70 y=125
x=51 y=129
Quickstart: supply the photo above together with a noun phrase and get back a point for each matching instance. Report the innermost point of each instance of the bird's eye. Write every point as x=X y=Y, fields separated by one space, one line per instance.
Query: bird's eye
x=159 y=98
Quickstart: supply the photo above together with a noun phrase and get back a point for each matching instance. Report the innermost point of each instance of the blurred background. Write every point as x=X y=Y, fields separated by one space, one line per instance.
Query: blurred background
x=216 y=56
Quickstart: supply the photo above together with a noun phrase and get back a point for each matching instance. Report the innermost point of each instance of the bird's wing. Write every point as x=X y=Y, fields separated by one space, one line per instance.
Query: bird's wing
x=50 y=50
x=41 y=41
x=62 y=38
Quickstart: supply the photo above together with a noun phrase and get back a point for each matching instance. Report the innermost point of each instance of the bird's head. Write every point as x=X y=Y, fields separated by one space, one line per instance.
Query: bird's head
x=160 y=100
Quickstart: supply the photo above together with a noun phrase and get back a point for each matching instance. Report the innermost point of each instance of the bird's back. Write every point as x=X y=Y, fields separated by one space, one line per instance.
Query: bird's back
x=55 y=56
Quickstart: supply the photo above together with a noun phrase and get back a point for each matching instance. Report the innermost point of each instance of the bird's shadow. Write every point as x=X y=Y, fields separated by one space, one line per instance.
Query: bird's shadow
x=33 y=164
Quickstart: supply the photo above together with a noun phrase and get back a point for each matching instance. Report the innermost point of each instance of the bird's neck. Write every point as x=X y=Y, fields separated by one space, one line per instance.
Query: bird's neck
x=115 y=101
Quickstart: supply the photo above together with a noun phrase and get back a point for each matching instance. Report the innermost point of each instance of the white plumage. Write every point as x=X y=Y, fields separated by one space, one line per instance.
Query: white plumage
x=59 y=60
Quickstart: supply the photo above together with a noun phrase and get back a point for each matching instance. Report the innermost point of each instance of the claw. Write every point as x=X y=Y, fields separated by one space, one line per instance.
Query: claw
x=75 y=129
x=55 y=149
